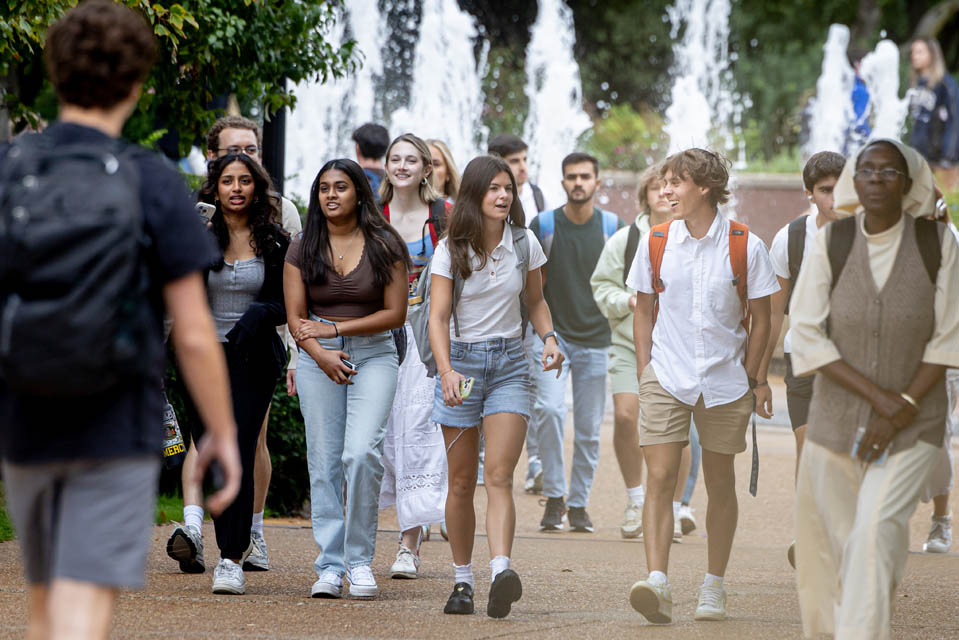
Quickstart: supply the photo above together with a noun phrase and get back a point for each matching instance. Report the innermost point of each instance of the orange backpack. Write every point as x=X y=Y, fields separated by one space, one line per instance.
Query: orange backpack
x=738 y=241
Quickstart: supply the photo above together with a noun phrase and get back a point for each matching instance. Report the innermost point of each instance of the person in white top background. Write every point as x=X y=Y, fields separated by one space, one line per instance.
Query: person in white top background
x=695 y=358
x=482 y=373
x=790 y=244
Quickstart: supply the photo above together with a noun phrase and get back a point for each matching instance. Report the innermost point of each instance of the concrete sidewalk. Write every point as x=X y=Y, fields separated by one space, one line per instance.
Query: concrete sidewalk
x=574 y=585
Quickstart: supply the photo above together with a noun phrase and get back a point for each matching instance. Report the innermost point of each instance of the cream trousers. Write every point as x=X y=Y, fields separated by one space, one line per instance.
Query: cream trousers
x=852 y=537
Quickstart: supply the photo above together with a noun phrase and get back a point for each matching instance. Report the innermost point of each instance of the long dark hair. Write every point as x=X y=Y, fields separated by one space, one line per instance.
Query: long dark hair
x=263 y=213
x=384 y=246
x=466 y=221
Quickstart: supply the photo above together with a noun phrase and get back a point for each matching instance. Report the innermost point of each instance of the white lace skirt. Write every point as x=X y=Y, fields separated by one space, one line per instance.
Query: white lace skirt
x=414 y=455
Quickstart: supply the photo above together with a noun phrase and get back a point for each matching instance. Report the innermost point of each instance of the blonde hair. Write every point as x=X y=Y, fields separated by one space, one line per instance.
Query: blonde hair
x=452 y=186
x=427 y=193
x=653 y=173
x=937 y=64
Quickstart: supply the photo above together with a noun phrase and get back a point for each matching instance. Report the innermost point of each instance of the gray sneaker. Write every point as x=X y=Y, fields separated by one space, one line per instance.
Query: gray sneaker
x=553 y=515
x=579 y=520
x=228 y=578
x=259 y=558
x=186 y=547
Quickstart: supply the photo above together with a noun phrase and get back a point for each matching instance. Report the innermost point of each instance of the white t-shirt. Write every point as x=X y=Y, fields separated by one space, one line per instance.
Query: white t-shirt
x=529 y=203
x=698 y=341
x=779 y=256
x=489 y=304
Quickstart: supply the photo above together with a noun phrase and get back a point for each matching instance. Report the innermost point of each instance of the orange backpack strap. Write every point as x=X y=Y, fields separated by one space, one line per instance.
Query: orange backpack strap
x=657 y=247
x=738 y=259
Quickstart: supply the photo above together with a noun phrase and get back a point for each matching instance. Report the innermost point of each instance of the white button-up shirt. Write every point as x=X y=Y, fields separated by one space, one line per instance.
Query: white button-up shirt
x=489 y=304
x=698 y=340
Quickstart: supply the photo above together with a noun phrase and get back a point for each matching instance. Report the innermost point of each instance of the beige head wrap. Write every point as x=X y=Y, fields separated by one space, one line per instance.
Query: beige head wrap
x=919 y=201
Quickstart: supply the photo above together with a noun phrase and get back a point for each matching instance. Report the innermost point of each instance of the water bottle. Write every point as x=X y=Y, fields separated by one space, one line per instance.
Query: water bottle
x=174 y=451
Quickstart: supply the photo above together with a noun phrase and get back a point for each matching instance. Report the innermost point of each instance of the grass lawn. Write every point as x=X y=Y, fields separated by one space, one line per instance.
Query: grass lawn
x=6 y=527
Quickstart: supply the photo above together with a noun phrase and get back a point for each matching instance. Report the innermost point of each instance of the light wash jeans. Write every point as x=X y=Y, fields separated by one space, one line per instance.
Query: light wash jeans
x=345 y=429
x=532 y=446
x=587 y=366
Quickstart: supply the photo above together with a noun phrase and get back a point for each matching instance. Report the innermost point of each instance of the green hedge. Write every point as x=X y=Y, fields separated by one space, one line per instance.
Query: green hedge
x=286 y=439
x=6 y=527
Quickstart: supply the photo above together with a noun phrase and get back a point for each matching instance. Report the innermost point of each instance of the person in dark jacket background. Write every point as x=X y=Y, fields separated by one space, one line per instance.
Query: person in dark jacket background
x=934 y=104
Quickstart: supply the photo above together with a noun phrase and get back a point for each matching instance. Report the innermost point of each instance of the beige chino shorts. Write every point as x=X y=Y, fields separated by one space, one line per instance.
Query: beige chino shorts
x=664 y=419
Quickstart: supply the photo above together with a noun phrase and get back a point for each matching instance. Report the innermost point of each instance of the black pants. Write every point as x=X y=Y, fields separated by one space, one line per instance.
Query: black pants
x=251 y=388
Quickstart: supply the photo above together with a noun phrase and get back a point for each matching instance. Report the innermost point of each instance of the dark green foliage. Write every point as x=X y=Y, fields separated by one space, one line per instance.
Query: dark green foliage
x=286 y=438
x=6 y=527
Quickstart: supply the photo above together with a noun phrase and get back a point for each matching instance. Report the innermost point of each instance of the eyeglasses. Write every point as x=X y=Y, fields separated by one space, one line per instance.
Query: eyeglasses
x=886 y=175
x=250 y=150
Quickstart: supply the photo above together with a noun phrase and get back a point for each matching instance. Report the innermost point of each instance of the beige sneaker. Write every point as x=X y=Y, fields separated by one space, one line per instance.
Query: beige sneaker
x=654 y=601
x=712 y=603
x=632 y=526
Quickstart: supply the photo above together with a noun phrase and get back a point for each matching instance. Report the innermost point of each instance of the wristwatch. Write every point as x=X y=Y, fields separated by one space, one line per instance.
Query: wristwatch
x=550 y=334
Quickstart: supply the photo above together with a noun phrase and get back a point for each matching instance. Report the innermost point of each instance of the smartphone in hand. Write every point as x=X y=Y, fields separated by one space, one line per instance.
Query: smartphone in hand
x=466 y=387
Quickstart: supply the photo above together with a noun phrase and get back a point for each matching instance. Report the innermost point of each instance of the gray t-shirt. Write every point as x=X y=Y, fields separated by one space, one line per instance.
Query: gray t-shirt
x=232 y=290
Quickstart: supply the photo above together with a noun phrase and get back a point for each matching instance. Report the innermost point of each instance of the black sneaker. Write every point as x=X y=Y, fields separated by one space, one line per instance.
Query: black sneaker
x=579 y=520
x=461 y=600
x=553 y=516
x=505 y=590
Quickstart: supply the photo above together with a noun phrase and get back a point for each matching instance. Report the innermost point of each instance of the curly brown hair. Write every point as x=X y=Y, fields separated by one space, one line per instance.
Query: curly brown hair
x=705 y=168
x=97 y=52
x=231 y=122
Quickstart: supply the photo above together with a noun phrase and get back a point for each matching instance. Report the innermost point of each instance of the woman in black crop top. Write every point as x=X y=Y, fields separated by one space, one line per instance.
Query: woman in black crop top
x=347 y=368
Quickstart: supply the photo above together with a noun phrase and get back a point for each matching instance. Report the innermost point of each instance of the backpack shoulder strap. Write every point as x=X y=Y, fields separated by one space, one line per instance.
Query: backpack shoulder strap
x=842 y=233
x=739 y=259
x=437 y=219
x=610 y=224
x=632 y=243
x=795 y=248
x=538 y=197
x=657 y=247
x=547 y=224
x=930 y=246
x=521 y=247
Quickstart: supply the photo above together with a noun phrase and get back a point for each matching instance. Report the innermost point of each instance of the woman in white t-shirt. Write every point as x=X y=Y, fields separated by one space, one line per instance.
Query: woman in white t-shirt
x=483 y=377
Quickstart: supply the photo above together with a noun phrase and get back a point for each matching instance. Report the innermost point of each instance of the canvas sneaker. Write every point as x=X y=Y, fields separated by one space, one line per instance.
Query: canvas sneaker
x=632 y=526
x=579 y=520
x=677 y=528
x=186 y=547
x=712 y=603
x=406 y=565
x=654 y=601
x=329 y=585
x=686 y=519
x=362 y=583
x=940 y=536
x=228 y=578
x=553 y=515
x=259 y=558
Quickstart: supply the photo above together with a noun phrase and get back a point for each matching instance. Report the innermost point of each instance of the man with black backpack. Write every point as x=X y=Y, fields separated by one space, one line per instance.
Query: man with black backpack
x=97 y=239
x=786 y=254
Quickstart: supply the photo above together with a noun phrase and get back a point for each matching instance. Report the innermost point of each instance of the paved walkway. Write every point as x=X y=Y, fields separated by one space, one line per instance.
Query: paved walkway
x=575 y=585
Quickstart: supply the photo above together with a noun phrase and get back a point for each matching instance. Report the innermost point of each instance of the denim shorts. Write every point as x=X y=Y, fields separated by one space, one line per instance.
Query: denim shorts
x=501 y=382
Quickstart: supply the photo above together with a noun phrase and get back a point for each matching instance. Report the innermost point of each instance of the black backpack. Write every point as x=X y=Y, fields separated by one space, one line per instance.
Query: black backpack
x=75 y=314
x=795 y=247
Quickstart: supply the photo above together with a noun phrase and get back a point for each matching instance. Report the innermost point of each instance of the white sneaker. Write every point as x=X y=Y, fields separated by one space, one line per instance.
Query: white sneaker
x=686 y=519
x=407 y=564
x=330 y=585
x=940 y=536
x=712 y=603
x=186 y=547
x=362 y=584
x=228 y=578
x=259 y=558
x=654 y=601
x=534 y=476
x=677 y=528
x=632 y=526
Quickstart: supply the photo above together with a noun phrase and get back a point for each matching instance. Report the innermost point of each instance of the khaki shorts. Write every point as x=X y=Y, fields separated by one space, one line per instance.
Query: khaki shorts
x=622 y=370
x=664 y=419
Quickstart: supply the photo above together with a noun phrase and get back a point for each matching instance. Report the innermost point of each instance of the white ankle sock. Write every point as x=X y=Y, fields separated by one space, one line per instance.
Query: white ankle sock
x=464 y=573
x=676 y=505
x=193 y=516
x=712 y=580
x=498 y=565
x=257 y=526
x=637 y=494
x=657 y=578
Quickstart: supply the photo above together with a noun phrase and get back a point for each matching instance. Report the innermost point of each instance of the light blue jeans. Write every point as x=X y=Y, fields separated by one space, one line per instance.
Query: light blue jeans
x=532 y=447
x=345 y=429
x=587 y=366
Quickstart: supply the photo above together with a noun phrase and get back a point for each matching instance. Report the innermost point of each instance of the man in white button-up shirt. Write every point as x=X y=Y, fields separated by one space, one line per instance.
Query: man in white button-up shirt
x=701 y=363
